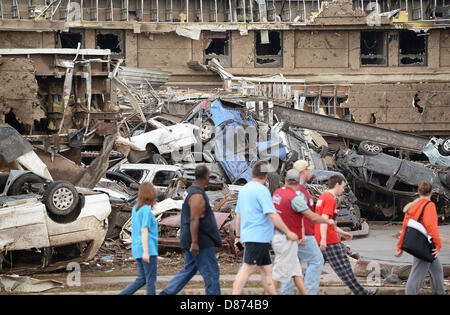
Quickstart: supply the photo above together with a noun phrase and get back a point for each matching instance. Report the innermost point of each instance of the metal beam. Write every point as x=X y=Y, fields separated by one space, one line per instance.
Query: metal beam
x=349 y=129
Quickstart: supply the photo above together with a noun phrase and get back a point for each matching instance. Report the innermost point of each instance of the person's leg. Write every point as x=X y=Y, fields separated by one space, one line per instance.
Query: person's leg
x=242 y=277
x=209 y=269
x=151 y=270
x=300 y=285
x=182 y=277
x=338 y=260
x=417 y=275
x=437 y=277
x=267 y=281
x=314 y=264
x=138 y=283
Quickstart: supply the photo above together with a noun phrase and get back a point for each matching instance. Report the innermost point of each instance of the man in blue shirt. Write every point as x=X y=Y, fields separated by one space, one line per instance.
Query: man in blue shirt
x=255 y=219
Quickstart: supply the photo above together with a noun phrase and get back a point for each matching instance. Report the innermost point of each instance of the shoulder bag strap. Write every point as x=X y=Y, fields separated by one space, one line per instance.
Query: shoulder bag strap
x=421 y=214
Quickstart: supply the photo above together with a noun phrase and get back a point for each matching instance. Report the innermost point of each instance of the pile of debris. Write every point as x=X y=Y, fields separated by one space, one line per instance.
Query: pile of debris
x=96 y=151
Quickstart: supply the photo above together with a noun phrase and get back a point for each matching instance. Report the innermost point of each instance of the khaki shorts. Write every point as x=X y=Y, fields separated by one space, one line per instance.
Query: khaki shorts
x=286 y=264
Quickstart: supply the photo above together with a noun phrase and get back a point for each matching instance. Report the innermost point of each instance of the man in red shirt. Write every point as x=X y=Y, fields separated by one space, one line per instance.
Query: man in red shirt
x=291 y=209
x=327 y=236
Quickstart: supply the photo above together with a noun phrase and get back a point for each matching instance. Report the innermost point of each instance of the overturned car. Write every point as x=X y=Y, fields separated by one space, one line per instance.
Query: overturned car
x=384 y=184
x=44 y=224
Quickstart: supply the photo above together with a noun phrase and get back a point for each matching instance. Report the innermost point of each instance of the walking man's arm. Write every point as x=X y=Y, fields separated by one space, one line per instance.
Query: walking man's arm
x=278 y=222
x=197 y=205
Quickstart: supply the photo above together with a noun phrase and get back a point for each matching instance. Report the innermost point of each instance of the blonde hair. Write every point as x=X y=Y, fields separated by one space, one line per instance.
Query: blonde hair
x=147 y=195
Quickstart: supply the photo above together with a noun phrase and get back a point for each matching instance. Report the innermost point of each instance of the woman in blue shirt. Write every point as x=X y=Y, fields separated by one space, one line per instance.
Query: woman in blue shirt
x=144 y=240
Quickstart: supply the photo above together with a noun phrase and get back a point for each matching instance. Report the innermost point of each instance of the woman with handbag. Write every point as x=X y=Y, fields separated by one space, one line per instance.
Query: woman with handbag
x=423 y=210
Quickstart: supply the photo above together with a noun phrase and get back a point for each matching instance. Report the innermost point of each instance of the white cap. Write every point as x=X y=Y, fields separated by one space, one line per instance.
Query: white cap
x=302 y=165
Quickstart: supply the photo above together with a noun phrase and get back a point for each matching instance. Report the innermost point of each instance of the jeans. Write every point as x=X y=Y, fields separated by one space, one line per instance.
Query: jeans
x=147 y=273
x=314 y=264
x=206 y=263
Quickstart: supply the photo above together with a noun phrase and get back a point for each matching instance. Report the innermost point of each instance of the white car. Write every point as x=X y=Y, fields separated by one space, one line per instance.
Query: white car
x=160 y=138
x=33 y=239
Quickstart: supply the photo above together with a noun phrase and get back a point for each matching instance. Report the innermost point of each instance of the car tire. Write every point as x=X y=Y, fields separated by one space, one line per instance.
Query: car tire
x=369 y=148
x=61 y=198
x=274 y=181
x=444 y=148
x=159 y=159
x=22 y=185
x=207 y=130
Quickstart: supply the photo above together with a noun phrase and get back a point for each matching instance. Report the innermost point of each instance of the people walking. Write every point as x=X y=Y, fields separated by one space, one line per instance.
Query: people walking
x=199 y=236
x=291 y=209
x=144 y=240
x=423 y=205
x=327 y=237
x=308 y=249
x=254 y=226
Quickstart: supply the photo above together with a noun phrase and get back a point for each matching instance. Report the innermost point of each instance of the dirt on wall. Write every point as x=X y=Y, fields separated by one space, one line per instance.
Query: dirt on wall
x=414 y=107
x=18 y=90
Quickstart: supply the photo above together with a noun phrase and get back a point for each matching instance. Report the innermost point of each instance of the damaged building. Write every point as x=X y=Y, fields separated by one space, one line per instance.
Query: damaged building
x=378 y=62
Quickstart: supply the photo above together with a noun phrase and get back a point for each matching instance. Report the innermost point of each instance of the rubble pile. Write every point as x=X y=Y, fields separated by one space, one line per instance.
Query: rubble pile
x=145 y=133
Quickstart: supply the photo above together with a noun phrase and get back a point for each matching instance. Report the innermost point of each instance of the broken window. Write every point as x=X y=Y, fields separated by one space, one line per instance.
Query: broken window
x=412 y=48
x=268 y=49
x=70 y=39
x=373 y=48
x=217 y=45
x=163 y=178
x=113 y=40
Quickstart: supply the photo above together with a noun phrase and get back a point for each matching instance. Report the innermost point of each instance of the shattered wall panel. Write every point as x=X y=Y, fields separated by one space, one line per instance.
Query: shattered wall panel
x=325 y=49
x=18 y=90
x=406 y=107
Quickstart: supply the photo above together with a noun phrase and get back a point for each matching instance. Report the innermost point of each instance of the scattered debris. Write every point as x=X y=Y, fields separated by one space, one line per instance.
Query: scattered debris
x=20 y=284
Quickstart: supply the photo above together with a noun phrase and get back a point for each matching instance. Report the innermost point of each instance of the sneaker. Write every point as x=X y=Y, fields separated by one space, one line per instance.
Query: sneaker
x=370 y=292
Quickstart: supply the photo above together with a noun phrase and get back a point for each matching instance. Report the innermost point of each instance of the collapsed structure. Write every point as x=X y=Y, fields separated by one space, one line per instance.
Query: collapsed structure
x=381 y=62
x=75 y=81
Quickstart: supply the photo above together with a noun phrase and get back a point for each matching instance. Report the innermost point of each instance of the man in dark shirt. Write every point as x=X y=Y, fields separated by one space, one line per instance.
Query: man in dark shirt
x=198 y=237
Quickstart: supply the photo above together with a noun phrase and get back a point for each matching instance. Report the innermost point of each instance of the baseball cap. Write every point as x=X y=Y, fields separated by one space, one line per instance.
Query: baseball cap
x=292 y=175
x=302 y=165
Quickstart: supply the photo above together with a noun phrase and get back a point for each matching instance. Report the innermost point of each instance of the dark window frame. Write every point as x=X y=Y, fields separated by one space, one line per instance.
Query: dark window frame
x=400 y=55
x=225 y=59
x=121 y=37
x=278 y=63
x=384 y=55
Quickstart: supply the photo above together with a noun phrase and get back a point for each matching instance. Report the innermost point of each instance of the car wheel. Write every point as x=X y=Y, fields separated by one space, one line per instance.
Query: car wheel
x=444 y=148
x=207 y=130
x=22 y=185
x=159 y=159
x=61 y=198
x=369 y=148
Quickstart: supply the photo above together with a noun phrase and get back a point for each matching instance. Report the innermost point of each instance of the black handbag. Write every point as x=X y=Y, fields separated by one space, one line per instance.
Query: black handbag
x=416 y=240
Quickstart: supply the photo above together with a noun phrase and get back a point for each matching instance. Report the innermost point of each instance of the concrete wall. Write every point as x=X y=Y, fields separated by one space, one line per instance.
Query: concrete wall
x=305 y=53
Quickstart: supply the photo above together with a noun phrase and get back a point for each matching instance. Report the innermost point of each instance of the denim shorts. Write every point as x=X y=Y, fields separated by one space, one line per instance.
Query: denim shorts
x=257 y=254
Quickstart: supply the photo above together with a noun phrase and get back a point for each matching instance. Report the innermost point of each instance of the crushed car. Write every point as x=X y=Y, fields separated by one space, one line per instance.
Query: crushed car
x=384 y=184
x=44 y=224
x=159 y=138
x=236 y=140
